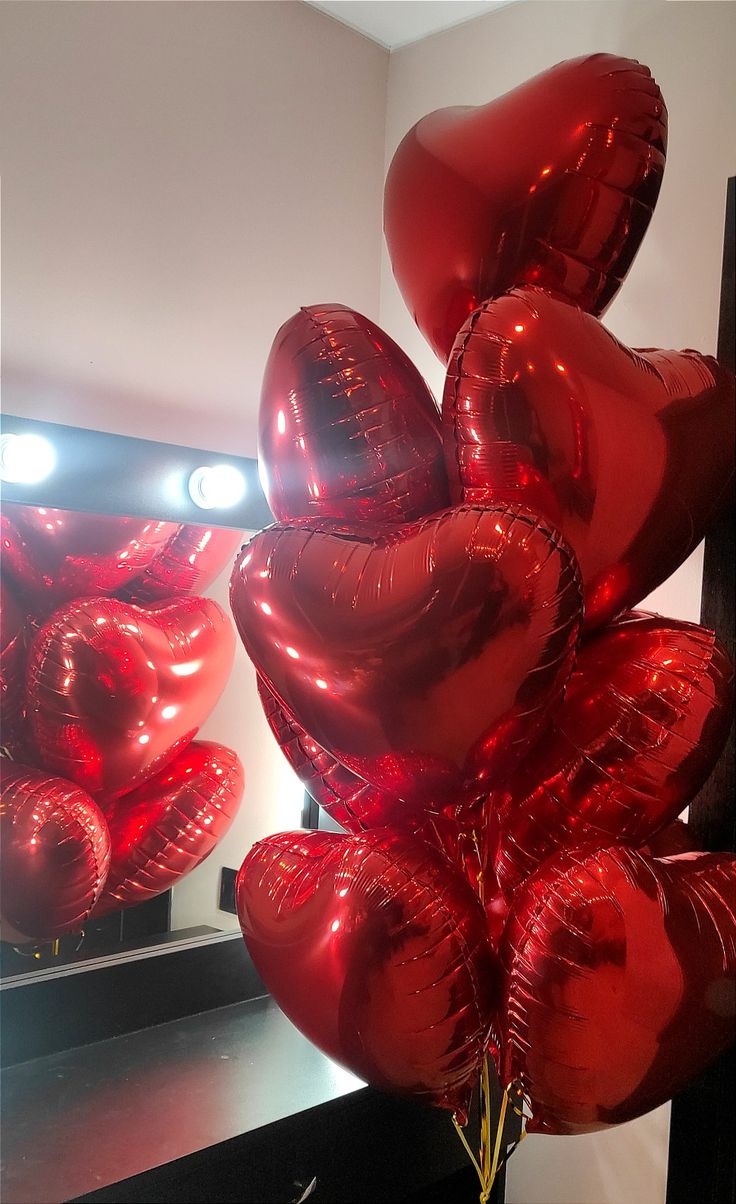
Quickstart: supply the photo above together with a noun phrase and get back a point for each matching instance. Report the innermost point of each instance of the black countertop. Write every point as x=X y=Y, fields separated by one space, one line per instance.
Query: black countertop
x=89 y=1117
x=231 y=1104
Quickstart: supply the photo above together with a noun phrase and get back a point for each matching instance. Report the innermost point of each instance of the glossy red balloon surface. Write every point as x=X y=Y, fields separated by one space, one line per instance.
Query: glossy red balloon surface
x=348 y=799
x=467 y=835
x=187 y=564
x=12 y=668
x=54 y=854
x=619 y=982
x=166 y=828
x=426 y=658
x=552 y=184
x=629 y=453
x=644 y=720
x=376 y=948
x=347 y=427
x=115 y=691
x=53 y=556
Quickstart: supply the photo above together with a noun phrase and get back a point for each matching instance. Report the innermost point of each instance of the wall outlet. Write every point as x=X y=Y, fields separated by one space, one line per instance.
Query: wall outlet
x=227 y=891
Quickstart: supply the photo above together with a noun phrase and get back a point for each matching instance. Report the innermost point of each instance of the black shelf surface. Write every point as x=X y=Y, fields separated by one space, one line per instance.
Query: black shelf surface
x=230 y=1104
x=95 y=1115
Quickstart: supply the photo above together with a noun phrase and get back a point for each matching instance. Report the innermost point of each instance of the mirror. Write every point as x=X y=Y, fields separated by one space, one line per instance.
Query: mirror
x=54 y=561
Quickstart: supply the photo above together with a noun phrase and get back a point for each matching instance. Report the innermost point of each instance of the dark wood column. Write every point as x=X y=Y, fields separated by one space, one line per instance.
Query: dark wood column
x=702 y=1159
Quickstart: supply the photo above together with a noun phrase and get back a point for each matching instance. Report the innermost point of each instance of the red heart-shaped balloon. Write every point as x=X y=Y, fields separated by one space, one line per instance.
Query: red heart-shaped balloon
x=115 y=691
x=645 y=717
x=467 y=836
x=187 y=564
x=53 y=556
x=425 y=658
x=349 y=800
x=12 y=668
x=347 y=427
x=619 y=982
x=552 y=184
x=166 y=828
x=629 y=453
x=55 y=852
x=376 y=948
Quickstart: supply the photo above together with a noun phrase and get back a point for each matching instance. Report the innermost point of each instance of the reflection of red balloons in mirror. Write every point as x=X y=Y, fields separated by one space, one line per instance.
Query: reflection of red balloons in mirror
x=56 y=555
x=376 y=948
x=13 y=652
x=544 y=408
x=115 y=691
x=433 y=653
x=167 y=827
x=53 y=556
x=54 y=851
x=552 y=184
x=645 y=717
x=347 y=427
x=187 y=564
x=619 y=982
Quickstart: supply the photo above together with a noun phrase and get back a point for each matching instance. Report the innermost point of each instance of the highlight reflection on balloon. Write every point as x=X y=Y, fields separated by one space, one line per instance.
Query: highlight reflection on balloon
x=347 y=427
x=620 y=983
x=543 y=407
x=376 y=948
x=167 y=827
x=114 y=691
x=54 y=853
x=553 y=183
x=433 y=652
x=645 y=717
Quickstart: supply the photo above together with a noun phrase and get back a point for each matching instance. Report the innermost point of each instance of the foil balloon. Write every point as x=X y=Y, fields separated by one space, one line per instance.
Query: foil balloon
x=468 y=836
x=543 y=407
x=347 y=426
x=552 y=184
x=188 y=563
x=114 y=691
x=376 y=948
x=166 y=828
x=53 y=556
x=54 y=851
x=619 y=982
x=426 y=658
x=644 y=720
x=349 y=800
x=13 y=650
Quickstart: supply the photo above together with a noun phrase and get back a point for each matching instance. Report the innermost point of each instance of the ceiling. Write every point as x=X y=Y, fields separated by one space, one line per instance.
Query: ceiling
x=395 y=23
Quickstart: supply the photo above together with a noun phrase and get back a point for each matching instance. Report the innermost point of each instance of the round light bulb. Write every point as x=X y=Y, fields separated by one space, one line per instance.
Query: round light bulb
x=216 y=487
x=25 y=459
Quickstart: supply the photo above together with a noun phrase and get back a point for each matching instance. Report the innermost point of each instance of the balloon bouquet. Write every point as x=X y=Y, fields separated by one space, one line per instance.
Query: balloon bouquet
x=441 y=620
x=108 y=667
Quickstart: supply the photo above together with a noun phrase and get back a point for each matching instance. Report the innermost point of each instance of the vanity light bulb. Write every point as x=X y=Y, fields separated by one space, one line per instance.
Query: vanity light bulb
x=216 y=487
x=25 y=459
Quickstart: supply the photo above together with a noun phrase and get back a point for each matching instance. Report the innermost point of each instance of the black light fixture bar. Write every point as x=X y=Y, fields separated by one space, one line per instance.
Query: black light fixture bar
x=100 y=473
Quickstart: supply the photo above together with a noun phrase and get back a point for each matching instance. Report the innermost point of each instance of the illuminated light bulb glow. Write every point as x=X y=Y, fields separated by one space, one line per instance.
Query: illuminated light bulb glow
x=216 y=487
x=25 y=459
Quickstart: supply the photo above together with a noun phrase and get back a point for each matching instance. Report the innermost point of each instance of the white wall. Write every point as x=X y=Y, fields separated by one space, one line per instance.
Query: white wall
x=177 y=179
x=670 y=299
